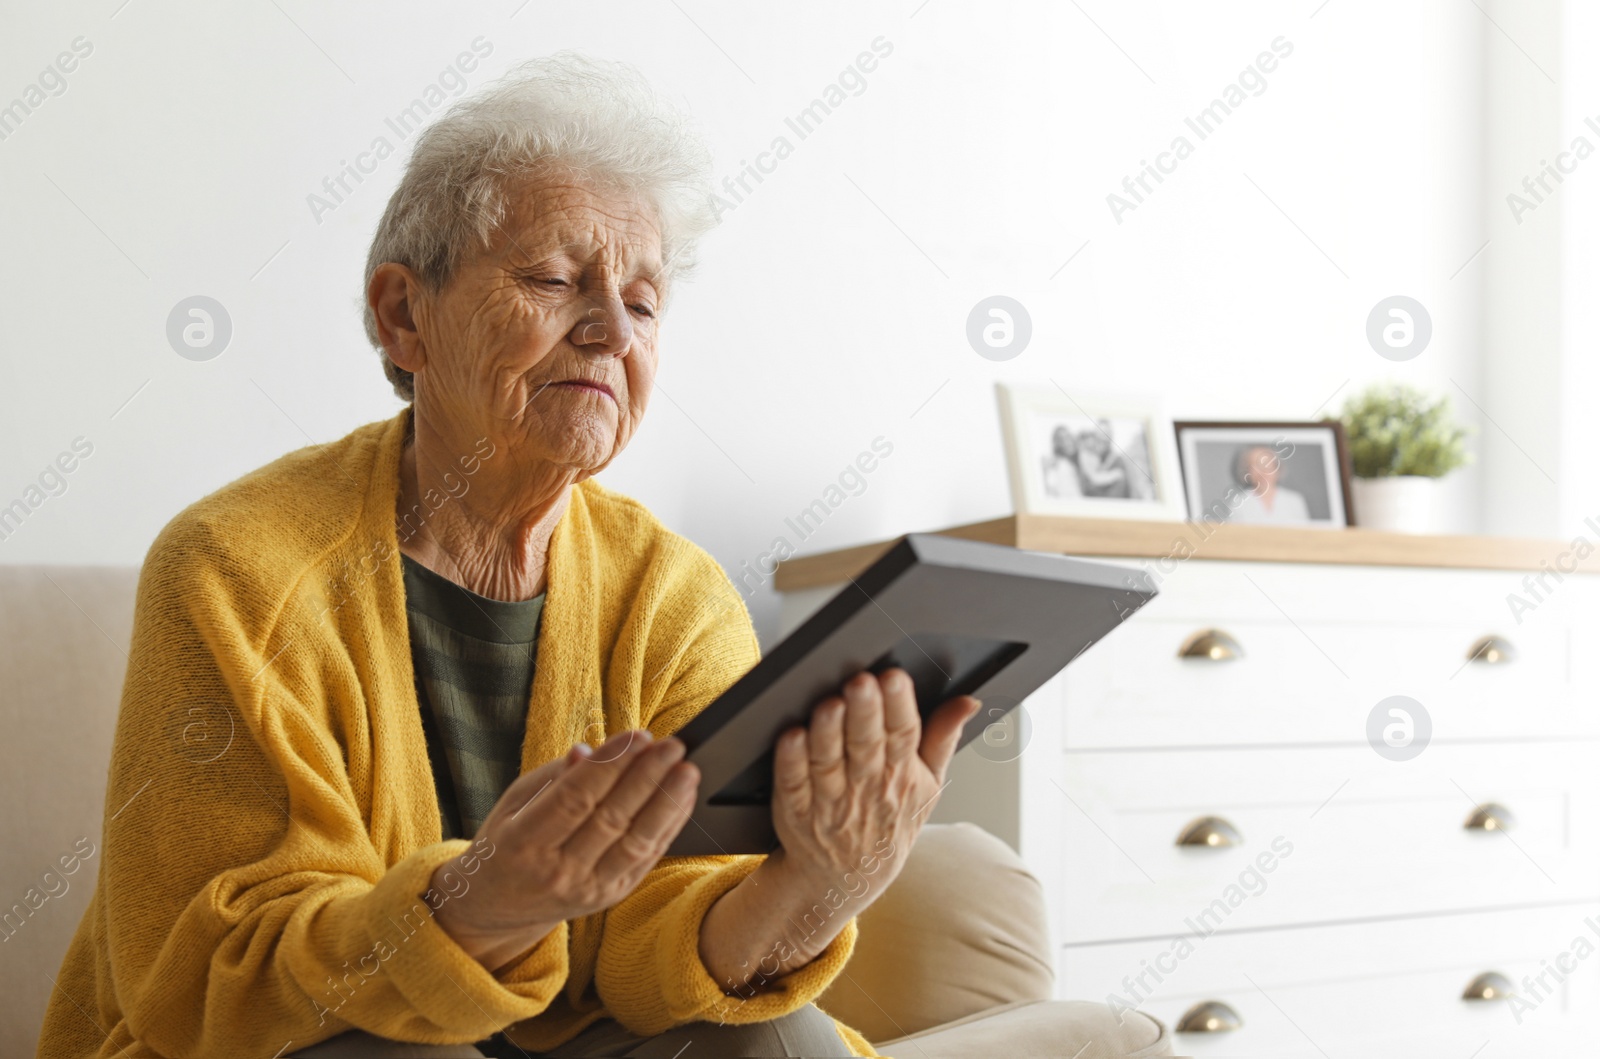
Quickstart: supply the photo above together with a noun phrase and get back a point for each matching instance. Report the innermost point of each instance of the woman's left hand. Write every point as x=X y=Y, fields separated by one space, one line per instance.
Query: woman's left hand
x=853 y=790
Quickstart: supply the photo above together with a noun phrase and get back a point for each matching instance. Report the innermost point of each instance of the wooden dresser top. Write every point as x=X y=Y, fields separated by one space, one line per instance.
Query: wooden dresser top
x=1129 y=539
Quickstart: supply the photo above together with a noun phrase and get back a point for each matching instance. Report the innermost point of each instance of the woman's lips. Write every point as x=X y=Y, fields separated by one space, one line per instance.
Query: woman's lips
x=582 y=384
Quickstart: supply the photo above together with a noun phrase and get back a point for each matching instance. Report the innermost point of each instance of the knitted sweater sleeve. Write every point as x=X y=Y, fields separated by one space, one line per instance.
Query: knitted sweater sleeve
x=650 y=975
x=246 y=907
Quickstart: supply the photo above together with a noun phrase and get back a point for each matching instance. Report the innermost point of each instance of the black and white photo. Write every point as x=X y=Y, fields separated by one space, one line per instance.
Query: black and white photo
x=1089 y=455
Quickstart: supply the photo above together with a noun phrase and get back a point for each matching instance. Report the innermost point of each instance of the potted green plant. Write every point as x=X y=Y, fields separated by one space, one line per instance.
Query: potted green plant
x=1402 y=441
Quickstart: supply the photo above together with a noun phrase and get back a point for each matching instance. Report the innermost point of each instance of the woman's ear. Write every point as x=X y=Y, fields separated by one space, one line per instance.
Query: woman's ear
x=394 y=294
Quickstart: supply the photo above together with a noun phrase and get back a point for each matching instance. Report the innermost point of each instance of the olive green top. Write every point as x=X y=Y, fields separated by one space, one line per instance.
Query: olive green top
x=473 y=658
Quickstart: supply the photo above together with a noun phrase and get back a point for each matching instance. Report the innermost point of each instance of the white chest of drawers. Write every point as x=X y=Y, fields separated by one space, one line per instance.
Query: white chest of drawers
x=1339 y=902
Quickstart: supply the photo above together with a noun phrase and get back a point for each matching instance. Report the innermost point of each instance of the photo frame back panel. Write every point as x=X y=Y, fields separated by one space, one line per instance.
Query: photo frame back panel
x=962 y=617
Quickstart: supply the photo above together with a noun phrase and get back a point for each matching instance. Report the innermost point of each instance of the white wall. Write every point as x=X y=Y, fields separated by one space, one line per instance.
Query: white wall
x=1579 y=276
x=1525 y=127
x=832 y=302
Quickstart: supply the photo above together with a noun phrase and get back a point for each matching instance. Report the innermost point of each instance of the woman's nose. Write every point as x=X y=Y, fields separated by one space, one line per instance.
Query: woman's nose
x=605 y=329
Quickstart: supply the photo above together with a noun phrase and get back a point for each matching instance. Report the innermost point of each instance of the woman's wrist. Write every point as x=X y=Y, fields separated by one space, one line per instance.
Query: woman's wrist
x=778 y=919
x=821 y=901
x=495 y=948
x=498 y=950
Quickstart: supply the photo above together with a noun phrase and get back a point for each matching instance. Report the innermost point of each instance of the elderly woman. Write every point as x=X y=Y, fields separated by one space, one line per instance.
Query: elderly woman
x=1258 y=472
x=394 y=761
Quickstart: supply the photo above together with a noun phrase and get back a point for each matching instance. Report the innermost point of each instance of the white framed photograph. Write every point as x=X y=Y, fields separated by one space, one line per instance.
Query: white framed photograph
x=1095 y=455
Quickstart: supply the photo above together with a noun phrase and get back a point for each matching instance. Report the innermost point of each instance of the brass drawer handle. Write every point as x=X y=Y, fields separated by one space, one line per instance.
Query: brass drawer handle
x=1492 y=651
x=1490 y=985
x=1212 y=832
x=1211 y=645
x=1210 y=1016
x=1490 y=816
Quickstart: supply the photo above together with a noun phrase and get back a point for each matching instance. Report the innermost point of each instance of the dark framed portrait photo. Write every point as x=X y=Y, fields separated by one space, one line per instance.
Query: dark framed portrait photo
x=1265 y=473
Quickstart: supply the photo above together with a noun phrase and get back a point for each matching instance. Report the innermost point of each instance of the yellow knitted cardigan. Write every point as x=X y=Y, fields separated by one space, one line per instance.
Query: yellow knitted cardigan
x=271 y=827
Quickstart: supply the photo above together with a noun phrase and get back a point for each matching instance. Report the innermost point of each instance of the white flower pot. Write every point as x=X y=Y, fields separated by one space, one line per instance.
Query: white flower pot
x=1403 y=503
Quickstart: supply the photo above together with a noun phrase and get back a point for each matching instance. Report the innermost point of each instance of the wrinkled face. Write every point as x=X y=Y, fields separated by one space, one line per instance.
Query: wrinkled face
x=546 y=341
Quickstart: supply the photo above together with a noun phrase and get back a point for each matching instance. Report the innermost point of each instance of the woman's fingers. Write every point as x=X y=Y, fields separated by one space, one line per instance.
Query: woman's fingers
x=527 y=787
x=616 y=813
x=825 y=750
x=653 y=828
x=863 y=727
x=560 y=808
x=902 y=725
x=943 y=732
x=852 y=740
x=791 y=772
x=618 y=745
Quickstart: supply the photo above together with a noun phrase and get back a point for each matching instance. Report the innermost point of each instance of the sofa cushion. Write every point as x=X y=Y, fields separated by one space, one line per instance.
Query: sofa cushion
x=962 y=930
x=64 y=634
x=1059 y=1029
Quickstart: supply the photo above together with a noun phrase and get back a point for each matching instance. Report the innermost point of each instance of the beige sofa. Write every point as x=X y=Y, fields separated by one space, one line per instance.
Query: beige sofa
x=952 y=961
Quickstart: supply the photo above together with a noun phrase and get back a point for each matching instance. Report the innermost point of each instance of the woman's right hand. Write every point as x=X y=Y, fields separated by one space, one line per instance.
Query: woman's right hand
x=566 y=840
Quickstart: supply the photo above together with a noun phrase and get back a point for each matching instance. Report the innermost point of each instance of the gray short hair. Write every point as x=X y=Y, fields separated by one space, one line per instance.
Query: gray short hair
x=600 y=121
